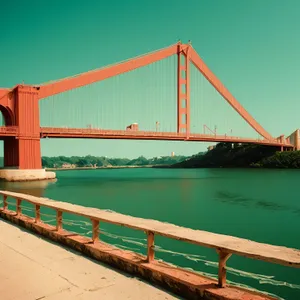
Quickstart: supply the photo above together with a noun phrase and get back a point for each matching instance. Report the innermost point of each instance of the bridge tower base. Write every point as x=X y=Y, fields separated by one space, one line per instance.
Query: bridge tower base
x=26 y=175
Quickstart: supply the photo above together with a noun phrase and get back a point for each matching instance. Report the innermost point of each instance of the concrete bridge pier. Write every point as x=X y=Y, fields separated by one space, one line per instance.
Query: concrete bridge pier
x=25 y=175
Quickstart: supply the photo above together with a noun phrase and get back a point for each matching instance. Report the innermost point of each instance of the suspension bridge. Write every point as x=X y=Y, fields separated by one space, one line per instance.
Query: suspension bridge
x=169 y=94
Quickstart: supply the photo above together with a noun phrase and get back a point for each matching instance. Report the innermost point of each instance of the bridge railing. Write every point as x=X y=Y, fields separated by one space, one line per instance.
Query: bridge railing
x=150 y=134
x=8 y=129
x=13 y=130
x=223 y=244
x=107 y=131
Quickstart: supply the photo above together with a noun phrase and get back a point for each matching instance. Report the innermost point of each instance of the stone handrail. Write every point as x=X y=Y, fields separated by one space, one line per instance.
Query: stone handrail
x=225 y=245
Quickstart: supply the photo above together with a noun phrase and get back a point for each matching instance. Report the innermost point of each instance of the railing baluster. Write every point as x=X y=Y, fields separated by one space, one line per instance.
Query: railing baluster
x=223 y=257
x=37 y=213
x=4 y=202
x=150 y=246
x=58 y=220
x=18 y=206
x=96 y=231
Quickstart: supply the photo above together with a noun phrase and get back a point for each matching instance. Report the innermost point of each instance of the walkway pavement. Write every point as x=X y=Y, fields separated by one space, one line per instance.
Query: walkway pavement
x=34 y=269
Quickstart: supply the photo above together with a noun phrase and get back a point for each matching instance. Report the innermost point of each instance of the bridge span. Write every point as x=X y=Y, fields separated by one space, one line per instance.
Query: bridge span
x=94 y=133
x=90 y=133
x=175 y=102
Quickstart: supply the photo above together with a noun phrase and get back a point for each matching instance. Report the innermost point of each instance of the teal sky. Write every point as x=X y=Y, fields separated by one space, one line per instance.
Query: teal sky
x=252 y=46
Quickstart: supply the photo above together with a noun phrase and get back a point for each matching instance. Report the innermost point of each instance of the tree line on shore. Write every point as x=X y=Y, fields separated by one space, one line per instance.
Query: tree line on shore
x=102 y=161
x=223 y=155
x=228 y=155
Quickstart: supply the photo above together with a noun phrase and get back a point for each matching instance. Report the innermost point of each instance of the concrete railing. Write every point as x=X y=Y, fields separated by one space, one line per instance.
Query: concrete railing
x=223 y=244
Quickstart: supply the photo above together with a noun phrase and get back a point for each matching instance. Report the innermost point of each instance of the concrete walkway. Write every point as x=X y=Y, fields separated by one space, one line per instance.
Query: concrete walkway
x=34 y=269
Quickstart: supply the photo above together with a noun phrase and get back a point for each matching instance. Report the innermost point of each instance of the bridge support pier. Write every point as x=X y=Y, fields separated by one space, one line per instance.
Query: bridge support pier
x=11 y=152
x=28 y=120
x=22 y=154
x=24 y=150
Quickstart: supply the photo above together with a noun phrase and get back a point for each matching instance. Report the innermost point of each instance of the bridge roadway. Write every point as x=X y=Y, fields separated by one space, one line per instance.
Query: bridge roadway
x=32 y=268
x=89 y=133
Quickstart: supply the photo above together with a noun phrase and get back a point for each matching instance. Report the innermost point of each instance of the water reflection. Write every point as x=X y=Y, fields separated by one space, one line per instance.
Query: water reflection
x=297 y=211
x=235 y=199
x=34 y=188
x=271 y=205
x=227 y=197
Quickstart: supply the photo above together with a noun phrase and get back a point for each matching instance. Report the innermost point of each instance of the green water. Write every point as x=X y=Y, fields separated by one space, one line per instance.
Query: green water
x=261 y=205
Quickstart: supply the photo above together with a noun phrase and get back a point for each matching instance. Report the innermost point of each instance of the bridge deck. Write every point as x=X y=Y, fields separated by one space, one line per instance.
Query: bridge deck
x=56 y=132
x=89 y=133
x=32 y=268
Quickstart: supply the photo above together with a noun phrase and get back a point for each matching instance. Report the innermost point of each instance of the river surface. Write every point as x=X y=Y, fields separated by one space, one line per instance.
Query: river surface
x=261 y=205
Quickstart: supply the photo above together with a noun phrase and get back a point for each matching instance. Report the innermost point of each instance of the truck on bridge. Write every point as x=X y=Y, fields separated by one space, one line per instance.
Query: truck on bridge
x=133 y=127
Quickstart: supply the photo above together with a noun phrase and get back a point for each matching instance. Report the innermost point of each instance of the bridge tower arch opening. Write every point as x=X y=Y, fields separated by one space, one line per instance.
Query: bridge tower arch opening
x=6 y=116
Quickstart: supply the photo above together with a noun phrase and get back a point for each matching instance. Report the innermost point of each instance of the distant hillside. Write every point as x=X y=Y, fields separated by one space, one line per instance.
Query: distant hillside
x=242 y=156
x=282 y=160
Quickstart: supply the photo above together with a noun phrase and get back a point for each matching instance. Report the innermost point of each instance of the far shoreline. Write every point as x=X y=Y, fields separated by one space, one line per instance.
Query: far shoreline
x=171 y=167
x=97 y=168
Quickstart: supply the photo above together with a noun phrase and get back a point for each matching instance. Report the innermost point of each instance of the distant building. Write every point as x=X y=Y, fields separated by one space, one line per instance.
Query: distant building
x=210 y=147
x=92 y=165
x=172 y=154
x=68 y=166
